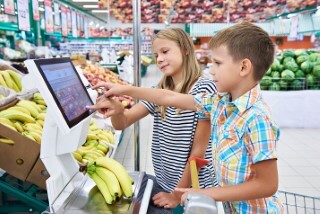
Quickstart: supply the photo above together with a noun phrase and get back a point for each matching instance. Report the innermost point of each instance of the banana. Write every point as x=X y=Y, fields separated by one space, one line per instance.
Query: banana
x=77 y=156
x=120 y=172
x=17 y=115
x=40 y=102
x=18 y=126
x=37 y=96
x=88 y=142
x=103 y=137
x=6 y=76
x=27 y=104
x=16 y=78
x=40 y=122
x=6 y=141
x=91 y=136
x=6 y=122
x=41 y=116
x=26 y=134
x=94 y=127
x=91 y=156
x=102 y=148
x=43 y=107
x=22 y=109
x=2 y=81
x=33 y=126
x=98 y=152
x=110 y=179
x=102 y=186
x=97 y=204
x=109 y=135
x=36 y=136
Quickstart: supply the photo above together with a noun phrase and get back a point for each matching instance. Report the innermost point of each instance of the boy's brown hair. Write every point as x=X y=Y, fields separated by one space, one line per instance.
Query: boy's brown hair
x=246 y=40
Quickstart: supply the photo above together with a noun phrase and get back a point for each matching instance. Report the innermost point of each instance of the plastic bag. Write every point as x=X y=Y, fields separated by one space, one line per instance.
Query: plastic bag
x=9 y=95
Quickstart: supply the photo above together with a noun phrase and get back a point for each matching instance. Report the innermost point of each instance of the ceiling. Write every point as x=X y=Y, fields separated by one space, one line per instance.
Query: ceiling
x=198 y=11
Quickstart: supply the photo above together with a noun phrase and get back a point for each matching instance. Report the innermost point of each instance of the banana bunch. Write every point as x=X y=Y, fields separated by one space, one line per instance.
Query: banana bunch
x=90 y=151
x=37 y=98
x=26 y=117
x=95 y=133
x=111 y=178
x=10 y=79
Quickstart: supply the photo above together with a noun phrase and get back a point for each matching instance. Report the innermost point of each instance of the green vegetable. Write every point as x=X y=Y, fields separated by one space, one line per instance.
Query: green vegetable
x=306 y=67
x=288 y=53
x=287 y=59
x=275 y=75
x=300 y=52
x=310 y=80
x=293 y=66
x=299 y=74
x=314 y=57
x=316 y=69
x=288 y=75
x=302 y=58
x=275 y=65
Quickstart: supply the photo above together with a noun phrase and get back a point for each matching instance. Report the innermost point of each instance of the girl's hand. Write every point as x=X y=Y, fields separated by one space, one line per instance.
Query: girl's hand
x=166 y=200
x=107 y=106
x=111 y=89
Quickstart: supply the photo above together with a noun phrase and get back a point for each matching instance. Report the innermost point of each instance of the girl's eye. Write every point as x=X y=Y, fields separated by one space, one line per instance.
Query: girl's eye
x=217 y=63
x=165 y=51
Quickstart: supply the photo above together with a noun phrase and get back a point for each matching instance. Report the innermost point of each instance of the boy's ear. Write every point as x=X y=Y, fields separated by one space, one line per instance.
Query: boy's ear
x=246 y=67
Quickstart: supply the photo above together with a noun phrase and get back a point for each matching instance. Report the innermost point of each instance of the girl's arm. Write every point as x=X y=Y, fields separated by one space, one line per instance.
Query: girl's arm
x=157 y=96
x=263 y=185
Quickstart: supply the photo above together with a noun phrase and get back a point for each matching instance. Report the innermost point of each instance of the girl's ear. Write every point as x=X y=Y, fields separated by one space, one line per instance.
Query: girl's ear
x=246 y=67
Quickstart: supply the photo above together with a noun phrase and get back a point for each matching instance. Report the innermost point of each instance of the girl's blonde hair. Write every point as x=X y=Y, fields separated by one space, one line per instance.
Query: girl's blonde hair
x=191 y=69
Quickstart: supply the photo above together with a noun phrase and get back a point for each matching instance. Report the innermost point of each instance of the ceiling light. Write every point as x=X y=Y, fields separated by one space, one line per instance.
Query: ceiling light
x=41 y=9
x=90 y=6
x=85 y=0
x=100 y=11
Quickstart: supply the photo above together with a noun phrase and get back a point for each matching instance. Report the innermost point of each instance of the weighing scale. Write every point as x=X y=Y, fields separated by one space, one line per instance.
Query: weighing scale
x=65 y=129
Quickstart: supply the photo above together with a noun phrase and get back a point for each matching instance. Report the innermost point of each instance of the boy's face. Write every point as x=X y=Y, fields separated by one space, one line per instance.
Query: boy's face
x=169 y=56
x=225 y=71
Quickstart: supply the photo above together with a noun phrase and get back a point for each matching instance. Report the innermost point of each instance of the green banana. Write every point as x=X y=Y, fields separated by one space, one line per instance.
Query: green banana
x=17 y=115
x=16 y=78
x=110 y=179
x=119 y=171
x=2 y=81
x=26 y=104
x=102 y=187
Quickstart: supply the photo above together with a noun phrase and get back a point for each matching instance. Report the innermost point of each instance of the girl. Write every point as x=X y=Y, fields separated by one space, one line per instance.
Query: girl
x=177 y=134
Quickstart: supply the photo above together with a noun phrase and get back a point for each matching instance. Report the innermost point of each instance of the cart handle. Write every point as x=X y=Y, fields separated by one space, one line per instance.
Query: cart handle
x=195 y=164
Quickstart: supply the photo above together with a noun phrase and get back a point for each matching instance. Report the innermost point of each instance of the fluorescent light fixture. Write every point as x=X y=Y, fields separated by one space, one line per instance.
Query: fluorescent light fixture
x=291 y=15
x=41 y=9
x=90 y=6
x=85 y=0
x=100 y=11
x=41 y=1
x=91 y=23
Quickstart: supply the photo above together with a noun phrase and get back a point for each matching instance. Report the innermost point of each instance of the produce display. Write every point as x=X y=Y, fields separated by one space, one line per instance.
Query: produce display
x=10 y=79
x=96 y=144
x=95 y=74
x=293 y=70
x=111 y=178
x=26 y=117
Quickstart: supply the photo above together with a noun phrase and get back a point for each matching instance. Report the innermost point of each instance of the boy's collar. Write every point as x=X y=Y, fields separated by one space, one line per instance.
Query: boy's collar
x=246 y=100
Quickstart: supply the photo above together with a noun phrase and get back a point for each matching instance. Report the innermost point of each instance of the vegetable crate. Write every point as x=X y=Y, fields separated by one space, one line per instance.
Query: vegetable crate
x=313 y=83
x=297 y=203
x=282 y=84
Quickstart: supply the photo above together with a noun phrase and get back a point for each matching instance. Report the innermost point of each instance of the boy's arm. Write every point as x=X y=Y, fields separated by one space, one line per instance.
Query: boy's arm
x=263 y=185
x=157 y=96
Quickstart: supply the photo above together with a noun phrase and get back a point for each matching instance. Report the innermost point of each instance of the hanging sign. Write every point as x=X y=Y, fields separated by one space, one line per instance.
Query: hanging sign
x=86 y=32
x=64 y=23
x=294 y=28
x=48 y=16
x=69 y=18
x=9 y=6
x=23 y=15
x=35 y=10
x=56 y=14
x=74 y=24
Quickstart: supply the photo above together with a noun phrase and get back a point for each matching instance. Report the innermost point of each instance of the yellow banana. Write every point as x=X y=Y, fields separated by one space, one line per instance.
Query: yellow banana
x=16 y=78
x=34 y=105
x=102 y=186
x=40 y=122
x=26 y=134
x=22 y=109
x=88 y=142
x=109 y=135
x=2 y=81
x=110 y=179
x=97 y=151
x=40 y=102
x=77 y=156
x=94 y=127
x=103 y=137
x=32 y=126
x=17 y=115
x=6 y=140
x=41 y=116
x=91 y=156
x=6 y=76
x=43 y=107
x=102 y=148
x=6 y=122
x=26 y=104
x=120 y=172
x=18 y=126
x=91 y=136
x=36 y=136
x=37 y=96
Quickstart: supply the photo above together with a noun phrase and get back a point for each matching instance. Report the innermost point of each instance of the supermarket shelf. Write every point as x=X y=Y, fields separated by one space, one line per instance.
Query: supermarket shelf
x=9 y=26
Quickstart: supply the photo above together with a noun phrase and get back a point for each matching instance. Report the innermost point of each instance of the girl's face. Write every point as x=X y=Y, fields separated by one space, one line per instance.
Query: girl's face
x=169 y=57
x=224 y=70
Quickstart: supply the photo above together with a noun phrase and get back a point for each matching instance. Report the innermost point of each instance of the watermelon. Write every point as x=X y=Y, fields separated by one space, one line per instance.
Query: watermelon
x=288 y=53
x=311 y=81
x=293 y=66
x=306 y=67
x=266 y=81
x=299 y=74
x=275 y=65
x=314 y=57
x=268 y=72
x=287 y=75
x=288 y=59
x=316 y=69
x=283 y=85
x=300 y=52
x=296 y=85
x=274 y=87
x=302 y=58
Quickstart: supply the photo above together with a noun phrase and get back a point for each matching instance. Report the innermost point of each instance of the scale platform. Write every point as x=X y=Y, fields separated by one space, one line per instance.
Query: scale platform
x=79 y=200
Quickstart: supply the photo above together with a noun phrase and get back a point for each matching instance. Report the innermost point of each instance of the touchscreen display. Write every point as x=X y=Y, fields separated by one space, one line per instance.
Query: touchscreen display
x=67 y=89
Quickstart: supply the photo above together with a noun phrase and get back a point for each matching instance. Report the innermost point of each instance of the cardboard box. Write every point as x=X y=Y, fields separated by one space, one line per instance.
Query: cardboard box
x=18 y=159
x=38 y=174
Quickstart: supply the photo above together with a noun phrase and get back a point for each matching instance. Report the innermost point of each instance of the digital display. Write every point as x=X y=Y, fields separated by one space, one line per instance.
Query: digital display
x=66 y=87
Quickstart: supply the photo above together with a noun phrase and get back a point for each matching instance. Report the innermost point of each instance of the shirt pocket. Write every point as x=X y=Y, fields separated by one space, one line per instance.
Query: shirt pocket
x=230 y=147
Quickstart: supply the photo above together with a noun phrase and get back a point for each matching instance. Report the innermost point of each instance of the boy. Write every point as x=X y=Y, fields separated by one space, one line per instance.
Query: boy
x=243 y=135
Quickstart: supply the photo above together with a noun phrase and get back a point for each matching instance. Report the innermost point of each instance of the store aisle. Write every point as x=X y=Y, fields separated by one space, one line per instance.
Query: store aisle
x=299 y=149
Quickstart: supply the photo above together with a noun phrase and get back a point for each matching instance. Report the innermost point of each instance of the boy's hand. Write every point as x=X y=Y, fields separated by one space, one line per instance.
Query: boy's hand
x=185 y=192
x=107 y=106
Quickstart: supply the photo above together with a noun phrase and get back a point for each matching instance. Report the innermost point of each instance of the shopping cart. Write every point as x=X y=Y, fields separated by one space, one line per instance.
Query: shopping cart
x=297 y=203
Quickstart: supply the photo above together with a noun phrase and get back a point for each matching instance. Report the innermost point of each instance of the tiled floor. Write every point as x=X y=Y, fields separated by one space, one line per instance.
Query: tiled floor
x=298 y=151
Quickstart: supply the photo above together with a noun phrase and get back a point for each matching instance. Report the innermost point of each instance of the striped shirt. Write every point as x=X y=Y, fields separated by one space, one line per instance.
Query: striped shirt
x=172 y=141
x=243 y=134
